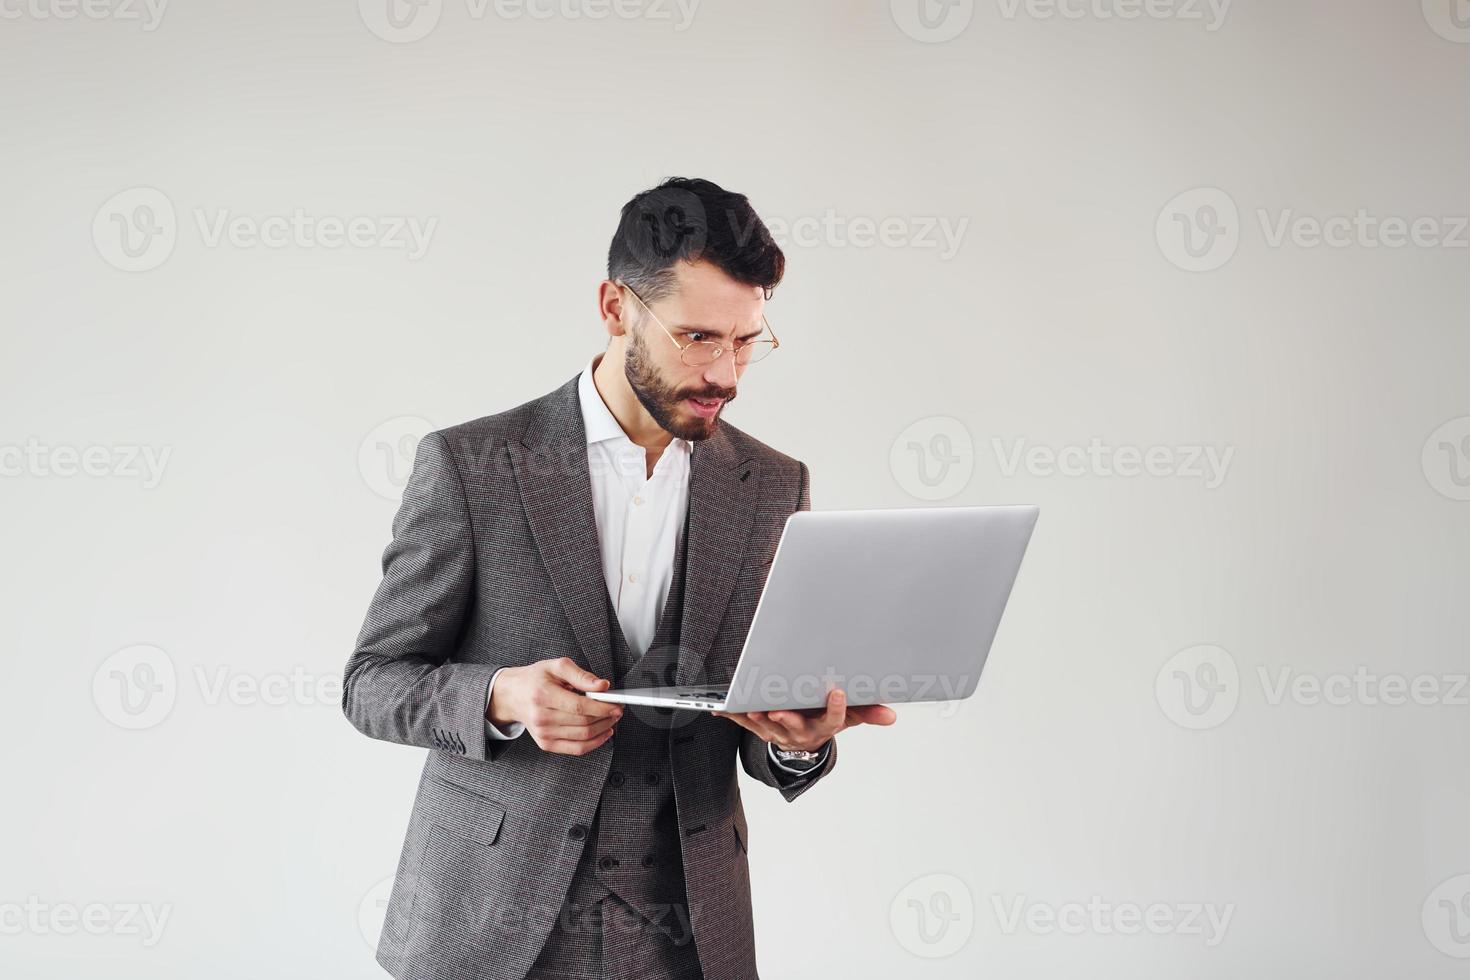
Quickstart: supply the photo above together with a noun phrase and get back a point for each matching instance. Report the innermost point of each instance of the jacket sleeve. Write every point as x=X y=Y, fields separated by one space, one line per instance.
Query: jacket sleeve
x=755 y=755
x=402 y=683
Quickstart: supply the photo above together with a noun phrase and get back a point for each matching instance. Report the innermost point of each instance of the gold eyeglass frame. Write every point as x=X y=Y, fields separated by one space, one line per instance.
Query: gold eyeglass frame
x=775 y=342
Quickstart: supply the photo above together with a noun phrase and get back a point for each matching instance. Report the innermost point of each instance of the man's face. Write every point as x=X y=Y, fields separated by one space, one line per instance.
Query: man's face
x=706 y=305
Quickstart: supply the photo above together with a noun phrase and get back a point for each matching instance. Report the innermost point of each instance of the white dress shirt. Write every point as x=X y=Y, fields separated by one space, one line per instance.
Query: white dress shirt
x=639 y=520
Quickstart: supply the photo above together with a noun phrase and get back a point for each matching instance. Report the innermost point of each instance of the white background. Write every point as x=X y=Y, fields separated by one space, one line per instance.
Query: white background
x=1082 y=770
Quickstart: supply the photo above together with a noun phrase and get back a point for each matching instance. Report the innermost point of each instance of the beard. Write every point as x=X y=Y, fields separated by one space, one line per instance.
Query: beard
x=665 y=403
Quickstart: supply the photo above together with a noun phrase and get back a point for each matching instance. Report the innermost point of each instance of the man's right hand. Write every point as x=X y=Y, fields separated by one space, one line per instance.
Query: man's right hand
x=545 y=697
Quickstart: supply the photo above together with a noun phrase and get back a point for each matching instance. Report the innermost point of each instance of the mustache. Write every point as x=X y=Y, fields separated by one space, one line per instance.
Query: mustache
x=707 y=395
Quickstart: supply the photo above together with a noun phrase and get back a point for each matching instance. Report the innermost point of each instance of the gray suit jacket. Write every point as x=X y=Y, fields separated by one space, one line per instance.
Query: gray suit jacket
x=494 y=562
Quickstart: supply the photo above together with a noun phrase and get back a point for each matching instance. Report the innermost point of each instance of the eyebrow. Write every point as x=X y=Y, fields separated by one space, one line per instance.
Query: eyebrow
x=687 y=327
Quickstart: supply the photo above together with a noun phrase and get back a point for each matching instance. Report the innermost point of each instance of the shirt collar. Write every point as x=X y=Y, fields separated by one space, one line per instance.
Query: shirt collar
x=599 y=420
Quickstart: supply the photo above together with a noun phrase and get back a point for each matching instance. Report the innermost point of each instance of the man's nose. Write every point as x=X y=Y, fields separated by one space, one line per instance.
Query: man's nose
x=716 y=374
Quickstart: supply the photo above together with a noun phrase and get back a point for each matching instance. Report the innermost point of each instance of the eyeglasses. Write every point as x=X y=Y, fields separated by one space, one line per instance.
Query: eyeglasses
x=699 y=353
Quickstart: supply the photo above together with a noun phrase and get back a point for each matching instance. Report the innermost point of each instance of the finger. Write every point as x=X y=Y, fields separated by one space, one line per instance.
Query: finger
x=836 y=715
x=554 y=697
x=769 y=730
x=873 y=714
x=579 y=732
x=565 y=669
x=744 y=721
x=793 y=726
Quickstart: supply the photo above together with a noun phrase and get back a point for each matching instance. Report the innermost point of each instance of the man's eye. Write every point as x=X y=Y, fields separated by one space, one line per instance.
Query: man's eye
x=696 y=335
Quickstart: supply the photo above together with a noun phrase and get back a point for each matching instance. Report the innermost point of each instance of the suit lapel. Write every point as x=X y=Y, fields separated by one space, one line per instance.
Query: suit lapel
x=555 y=487
x=556 y=494
x=722 y=498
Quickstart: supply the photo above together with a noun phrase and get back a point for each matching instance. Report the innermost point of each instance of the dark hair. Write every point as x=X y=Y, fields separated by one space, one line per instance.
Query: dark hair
x=689 y=219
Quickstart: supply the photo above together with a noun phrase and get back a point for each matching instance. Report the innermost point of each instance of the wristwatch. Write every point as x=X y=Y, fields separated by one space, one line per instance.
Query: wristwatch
x=795 y=755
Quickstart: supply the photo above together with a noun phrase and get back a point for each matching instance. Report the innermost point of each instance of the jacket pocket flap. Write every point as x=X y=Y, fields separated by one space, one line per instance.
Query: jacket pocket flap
x=467 y=814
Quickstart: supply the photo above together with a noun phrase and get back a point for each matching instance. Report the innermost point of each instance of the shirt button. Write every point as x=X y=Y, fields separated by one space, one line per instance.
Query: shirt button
x=638 y=501
x=632 y=576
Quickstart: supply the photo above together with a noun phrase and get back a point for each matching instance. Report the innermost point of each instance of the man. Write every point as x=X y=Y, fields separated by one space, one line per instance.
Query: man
x=616 y=532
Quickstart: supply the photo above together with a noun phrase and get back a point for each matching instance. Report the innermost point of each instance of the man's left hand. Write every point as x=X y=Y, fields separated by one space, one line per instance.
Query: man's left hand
x=809 y=729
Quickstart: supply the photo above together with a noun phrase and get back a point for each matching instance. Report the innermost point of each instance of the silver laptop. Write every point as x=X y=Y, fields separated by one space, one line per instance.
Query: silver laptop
x=890 y=606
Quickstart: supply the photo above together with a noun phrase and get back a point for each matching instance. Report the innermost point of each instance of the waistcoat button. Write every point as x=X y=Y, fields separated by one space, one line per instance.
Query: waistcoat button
x=578 y=831
x=651 y=779
x=615 y=778
x=606 y=863
x=648 y=860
